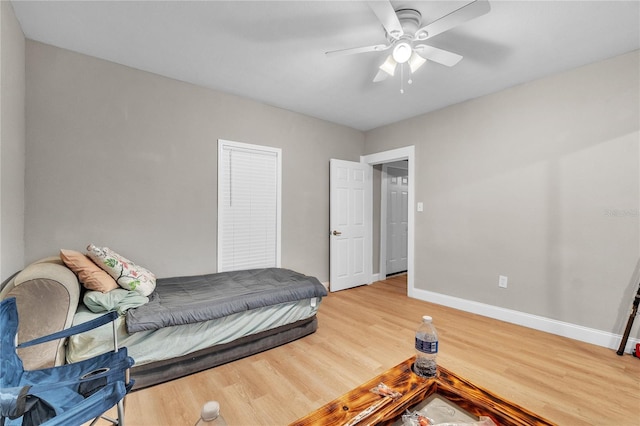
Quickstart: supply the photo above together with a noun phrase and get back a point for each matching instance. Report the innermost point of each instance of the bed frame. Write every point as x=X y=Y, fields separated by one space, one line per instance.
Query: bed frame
x=165 y=370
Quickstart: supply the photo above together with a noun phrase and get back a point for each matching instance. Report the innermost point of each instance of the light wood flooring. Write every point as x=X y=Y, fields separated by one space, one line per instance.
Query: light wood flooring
x=366 y=330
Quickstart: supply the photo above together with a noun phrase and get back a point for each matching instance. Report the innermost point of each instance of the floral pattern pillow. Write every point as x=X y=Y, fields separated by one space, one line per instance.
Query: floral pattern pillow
x=127 y=274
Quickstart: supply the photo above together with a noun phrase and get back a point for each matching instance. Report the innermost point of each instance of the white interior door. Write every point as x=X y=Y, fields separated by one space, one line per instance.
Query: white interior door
x=397 y=219
x=350 y=222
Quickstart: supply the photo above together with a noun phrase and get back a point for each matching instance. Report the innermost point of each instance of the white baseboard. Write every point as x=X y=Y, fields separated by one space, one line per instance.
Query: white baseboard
x=560 y=328
x=374 y=278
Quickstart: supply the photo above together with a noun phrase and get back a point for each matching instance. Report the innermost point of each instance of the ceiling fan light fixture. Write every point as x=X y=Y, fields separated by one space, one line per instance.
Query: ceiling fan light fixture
x=402 y=52
x=415 y=62
x=389 y=66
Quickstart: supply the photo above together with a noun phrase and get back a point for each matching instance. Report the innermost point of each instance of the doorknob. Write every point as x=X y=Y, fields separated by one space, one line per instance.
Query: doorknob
x=336 y=233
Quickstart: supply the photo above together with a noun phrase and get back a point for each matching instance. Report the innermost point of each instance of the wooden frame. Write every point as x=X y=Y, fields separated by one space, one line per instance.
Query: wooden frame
x=372 y=409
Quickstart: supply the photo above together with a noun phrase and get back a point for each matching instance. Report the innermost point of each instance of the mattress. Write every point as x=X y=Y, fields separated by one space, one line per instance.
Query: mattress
x=193 y=299
x=147 y=347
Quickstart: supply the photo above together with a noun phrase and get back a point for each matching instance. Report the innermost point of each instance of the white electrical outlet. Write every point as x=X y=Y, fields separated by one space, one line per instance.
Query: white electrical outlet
x=502 y=281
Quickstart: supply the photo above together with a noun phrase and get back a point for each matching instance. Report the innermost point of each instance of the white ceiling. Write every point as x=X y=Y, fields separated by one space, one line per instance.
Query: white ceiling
x=273 y=51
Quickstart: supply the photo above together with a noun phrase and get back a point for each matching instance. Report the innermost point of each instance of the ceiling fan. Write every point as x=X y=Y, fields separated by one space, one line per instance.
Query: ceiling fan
x=405 y=36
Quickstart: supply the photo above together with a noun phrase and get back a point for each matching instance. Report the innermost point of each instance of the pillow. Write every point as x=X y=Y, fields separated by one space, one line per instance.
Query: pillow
x=127 y=274
x=89 y=274
x=118 y=299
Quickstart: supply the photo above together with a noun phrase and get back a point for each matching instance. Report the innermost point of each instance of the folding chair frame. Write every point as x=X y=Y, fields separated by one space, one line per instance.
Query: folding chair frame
x=110 y=317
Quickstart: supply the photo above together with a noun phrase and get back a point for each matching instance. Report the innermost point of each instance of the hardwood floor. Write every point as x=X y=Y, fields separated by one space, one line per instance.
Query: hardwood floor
x=365 y=331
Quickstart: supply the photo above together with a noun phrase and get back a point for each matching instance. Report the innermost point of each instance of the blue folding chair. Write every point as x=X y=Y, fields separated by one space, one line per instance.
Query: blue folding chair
x=69 y=394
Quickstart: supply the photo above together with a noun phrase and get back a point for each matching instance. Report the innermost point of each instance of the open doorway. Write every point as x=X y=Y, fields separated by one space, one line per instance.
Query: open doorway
x=394 y=203
x=379 y=160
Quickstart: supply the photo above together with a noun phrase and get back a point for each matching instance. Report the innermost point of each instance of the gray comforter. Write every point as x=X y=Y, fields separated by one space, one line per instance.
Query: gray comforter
x=187 y=300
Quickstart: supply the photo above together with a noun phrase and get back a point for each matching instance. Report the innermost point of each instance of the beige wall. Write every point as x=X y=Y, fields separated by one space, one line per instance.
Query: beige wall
x=539 y=183
x=12 y=142
x=127 y=159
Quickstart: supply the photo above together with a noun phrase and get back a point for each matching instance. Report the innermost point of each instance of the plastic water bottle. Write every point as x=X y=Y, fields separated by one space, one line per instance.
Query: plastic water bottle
x=210 y=415
x=426 y=349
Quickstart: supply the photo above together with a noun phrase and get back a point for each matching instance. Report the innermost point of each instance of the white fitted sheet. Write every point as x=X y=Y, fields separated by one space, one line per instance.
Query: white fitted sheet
x=170 y=342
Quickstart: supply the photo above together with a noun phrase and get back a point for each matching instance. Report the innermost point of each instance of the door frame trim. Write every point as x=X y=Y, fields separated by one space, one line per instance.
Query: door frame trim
x=382 y=268
x=405 y=153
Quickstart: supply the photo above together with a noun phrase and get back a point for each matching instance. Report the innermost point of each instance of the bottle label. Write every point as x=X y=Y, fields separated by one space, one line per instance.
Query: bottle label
x=427 y=347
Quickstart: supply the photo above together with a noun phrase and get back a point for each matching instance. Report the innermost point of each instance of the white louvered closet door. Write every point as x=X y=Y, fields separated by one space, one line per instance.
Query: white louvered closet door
x=248 y=206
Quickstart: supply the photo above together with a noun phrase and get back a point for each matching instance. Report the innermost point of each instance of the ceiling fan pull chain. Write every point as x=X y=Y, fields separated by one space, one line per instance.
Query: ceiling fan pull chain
x=401 y=78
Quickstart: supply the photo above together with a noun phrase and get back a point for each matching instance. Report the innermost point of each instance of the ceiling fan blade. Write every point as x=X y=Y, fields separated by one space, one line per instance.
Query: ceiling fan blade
x=387 y=16
x=453 y=19
x=355 y=50
x=440 y=56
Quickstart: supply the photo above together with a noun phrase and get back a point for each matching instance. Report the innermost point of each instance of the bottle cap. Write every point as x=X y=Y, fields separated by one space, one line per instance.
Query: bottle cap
x=210 y=411
x=427 y=318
